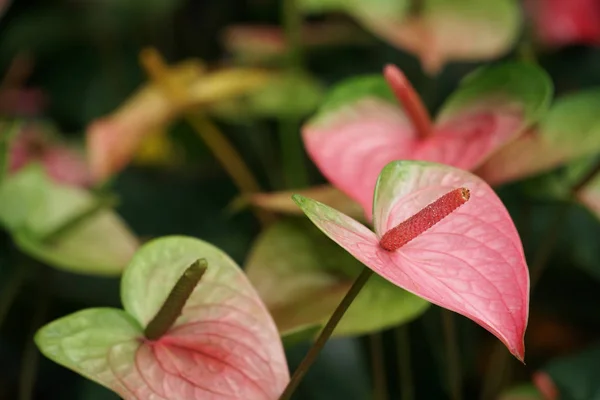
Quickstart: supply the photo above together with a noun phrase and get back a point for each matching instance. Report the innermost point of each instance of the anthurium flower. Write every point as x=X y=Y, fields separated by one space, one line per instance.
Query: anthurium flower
x=361 y=127
x=436 y=31
x=37 y=143
x=441 y=233
x=223 y=343
x=304 y=290
x=265 y=43
x=63 y=225
x=570 y=130
x=113 y=140
x=559 y=23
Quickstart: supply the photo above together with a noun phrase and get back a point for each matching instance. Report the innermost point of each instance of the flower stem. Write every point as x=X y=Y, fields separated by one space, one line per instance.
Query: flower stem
x=335 y=318
x=292 y=23
x=403 y=350
x=410 y=100
x=214 y=139
x=452 y=355
x=378 y=367
x=100 y=204
x=11 y=289
x=292 y=154
x=30 y=358
x=171 y=308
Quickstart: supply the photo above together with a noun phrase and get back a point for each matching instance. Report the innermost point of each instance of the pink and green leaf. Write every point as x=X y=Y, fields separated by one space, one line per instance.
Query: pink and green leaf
x=301 y=276
x=471 y=262
x=358 y=130
x=32 y=207
x=224 y=344
x=360 y=127
x=440 y=31
x=490 y=108
x=571 y=129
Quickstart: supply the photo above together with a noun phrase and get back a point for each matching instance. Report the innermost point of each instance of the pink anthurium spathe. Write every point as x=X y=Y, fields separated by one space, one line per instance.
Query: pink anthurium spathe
x=559 y=23
x=63 y=163
x=361 y=126
x=222 y=345
x=470 y=262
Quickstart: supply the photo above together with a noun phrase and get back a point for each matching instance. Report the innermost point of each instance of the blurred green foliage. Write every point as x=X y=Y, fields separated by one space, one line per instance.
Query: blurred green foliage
x=84 y=58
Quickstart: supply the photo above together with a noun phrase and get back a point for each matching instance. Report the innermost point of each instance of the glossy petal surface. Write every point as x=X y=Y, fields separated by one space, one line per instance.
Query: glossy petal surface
x=471 y=262
x=97 y=343
x=351 y=142
x=224 y=344
x=361 y=128
x=302 y=276
x=570 y=130
x=32 y=207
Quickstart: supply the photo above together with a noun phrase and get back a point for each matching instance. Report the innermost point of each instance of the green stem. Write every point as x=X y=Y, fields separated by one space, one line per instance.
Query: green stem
x=171 y=308
x=292 y=24
x=403 y=350
x=292 y=154
x=98 y=205
x=11 y=290
x=30 y=359
x=378 y=367
x=452 y=355
x=318 y=345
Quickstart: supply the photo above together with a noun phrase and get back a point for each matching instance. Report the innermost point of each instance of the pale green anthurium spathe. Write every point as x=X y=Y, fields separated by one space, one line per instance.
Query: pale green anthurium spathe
x=32 y=207
x=302 y=276
x=436 y=31
x=223 y=345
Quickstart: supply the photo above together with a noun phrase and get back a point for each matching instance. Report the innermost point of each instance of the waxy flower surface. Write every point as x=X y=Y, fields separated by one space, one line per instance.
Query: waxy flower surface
x=464 y=255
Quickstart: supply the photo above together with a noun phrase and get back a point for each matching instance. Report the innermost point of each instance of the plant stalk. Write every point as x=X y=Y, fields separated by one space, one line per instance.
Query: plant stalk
x=292 y=154
x=319 y=343
x=99 y=205
x=30 y=358
x=380 y=391
x=452 y=355
x=10 y=290
x=229 y=158
x=404 y=365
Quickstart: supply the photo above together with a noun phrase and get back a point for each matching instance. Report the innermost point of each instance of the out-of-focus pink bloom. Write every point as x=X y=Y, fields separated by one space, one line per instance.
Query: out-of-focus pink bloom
x=545 y=385
x=563 y=22
x=63 y=163
x=21 y=102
